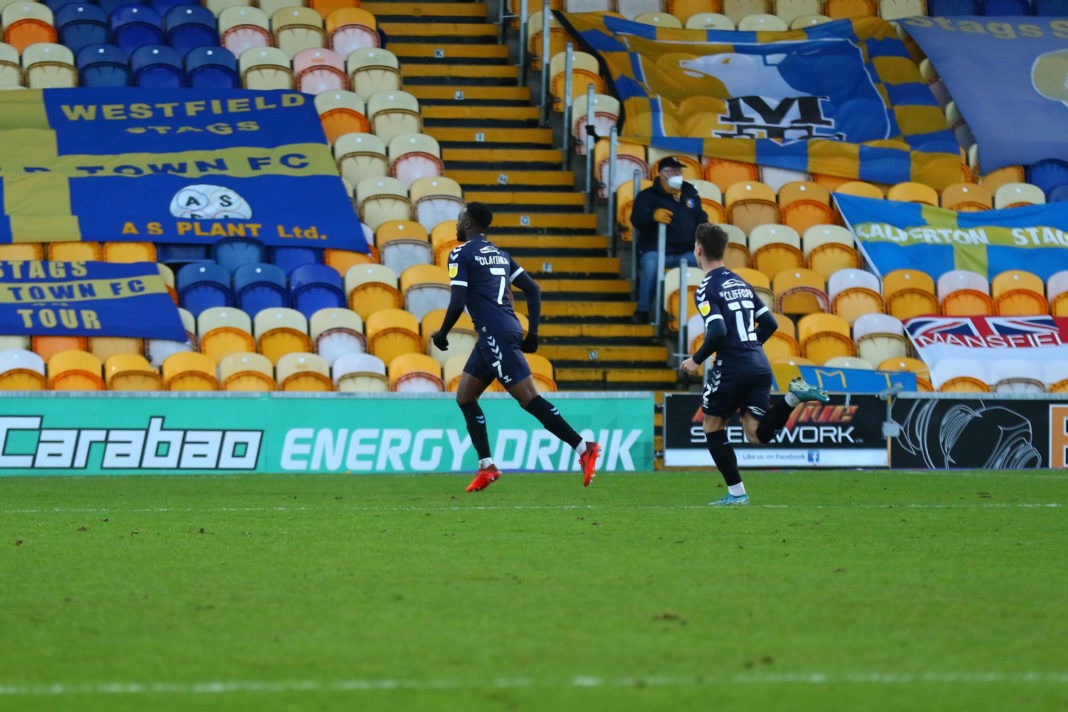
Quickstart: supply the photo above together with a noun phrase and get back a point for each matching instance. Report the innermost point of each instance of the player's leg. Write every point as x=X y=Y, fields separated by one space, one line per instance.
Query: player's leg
x=548 y=415
x=647 y=262
x=775 y=418
x=719 y=400
x=473 y=383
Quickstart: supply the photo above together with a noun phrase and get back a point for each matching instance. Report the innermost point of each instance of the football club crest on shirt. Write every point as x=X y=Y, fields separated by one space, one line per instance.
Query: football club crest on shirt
x=689 y=202
x=704 y=308
x=454 y=269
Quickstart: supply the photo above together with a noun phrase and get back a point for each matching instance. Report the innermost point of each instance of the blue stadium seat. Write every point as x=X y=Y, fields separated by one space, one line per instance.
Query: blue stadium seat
x=212 y=68
x=189 y=26
x=134 y=26
x=162 y=6
x=289 y=258
x=103 y=65
x=109 y=6
x=947 y=8
x=201 y=285
x=1006 y=8
x=1058 y=194
x=313 y=287
x=178 y=255
x=54 y=5
x=1048 y=174
x=157 y=66
x=1048 y=8
x=81 y=24
x=233 y=252
x=260 y=286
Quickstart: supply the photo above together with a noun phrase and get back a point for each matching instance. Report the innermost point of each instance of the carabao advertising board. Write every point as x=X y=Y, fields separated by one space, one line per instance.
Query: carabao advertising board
x=89 y=434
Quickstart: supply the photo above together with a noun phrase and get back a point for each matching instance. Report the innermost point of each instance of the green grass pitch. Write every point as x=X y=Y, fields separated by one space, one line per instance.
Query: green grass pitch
x=832 y=591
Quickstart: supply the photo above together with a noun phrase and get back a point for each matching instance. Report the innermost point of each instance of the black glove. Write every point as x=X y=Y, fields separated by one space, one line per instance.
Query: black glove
x=530 y=343
x=440 y=341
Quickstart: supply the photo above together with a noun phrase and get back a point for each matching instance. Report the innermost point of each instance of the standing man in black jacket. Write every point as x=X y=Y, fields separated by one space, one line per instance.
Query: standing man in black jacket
x=674 y=202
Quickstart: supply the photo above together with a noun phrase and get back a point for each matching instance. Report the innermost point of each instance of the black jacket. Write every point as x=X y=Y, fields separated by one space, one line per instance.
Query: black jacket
x=687 y=215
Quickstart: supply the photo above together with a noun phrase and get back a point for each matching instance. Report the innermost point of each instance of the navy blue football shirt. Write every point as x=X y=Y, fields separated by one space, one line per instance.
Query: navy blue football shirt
x=724 y=295
x=487 y=271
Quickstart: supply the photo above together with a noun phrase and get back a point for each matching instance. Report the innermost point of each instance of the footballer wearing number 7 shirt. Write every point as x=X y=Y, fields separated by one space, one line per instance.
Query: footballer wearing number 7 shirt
x=482 y=277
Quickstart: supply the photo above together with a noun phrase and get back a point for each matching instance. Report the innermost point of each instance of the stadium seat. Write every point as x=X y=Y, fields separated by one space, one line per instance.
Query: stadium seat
x=265 y=68
x=775 y=178
x=946 y=8
x=605 y=117
x=711 y=201
x=774 y=248
x=789 y=10
x=362 y=156
x=829 y=248
x=414 y=156
x=585 y=71
x=966 y=197
x=46 y=65
x=1048 y=174
x=232 y=252
x=246 y=372
x=280 y=331
x=289 y=257
x=749 y=204
x=1054 y=375
x=854 y=362
x=802 y=21
x=315 y=286
x=462 y=336
x=129 y=252
x=443 y=241
x=337 y=331
x=737 y=252
x=223 y=331
x=964 y=293
x=630 y=159
x=75 y=370
x=157 y=67
x=425 y=288
x=1048 y=8
x=762 y=22
x=672 y=289
x=824 y=336
x=435 y=200
x=1059 y=194
x=393 y=113
x=453 y=369
x=910 y=365
x=541 y=370
x=1015 y=375
x=370 y=288
x=77 y=251
x=203 y=284
x=296 y=28
x=738 y=9
x=1018 y=293
x=131 y=372
x=341 y=112
x=415 y=373
x=350 y=29
x=360 y=373
x=186 y=27
x=391 y=332
x=879 y=337
x=760 y=283
x=853 y=293
x=15 y=251
x=15 y=341
x=402 y=244
x=344 y=260
x=959 y=375
x=803 y=204
x=325 y=7
x=178 y=255
x=135 y=26
x=558 y=38
x=303 y=372
x=10 y=67
x=1057 y=293
x=189 y=371
x=243 y=27
x=861 y=189
x=81 y=24
x=380 y=200
x=908 y=293
x=998 y=177
x=158 y=350
x=103 y=65
x=900 y=9
x=799 y=291
x=912 y=192
x=1016 y=194
x=625 y=206
x=318 y=69
x=212 y=68
x=28 y=23
x=104 y=347
x=22 y=370
x=372 y=70
x=260 y=286
x=783 y=342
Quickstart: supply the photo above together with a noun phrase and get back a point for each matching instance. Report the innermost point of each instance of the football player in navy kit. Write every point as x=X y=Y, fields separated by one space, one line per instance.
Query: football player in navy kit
x=737 y=323
x=482 y=278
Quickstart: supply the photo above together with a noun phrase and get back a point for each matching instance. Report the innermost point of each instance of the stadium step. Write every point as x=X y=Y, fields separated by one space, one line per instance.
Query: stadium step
x=473 y=115
x=420 y=51
x=474 y=136
x=435 y=94
x=547 y=265
x=515 y=179
x=501 y=158
x=403 y=11
x=528 y=199
x=594 y=245
x=480 y=73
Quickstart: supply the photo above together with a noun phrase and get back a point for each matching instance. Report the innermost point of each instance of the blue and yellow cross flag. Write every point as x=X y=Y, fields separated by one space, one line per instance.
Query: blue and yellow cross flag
x=178 y=166
x=842 y=98
x=87 y=299
x=895 y=235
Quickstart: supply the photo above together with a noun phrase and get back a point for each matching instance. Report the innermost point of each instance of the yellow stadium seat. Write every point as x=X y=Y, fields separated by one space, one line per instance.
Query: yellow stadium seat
x=402 y=244
x=911 y=365
x=799 y=291
x=265 y=68
x=462 y=336
x=966 y=197
x=824 y=336
x=829 y=248
x=22 y=370
x=71 y=251
x=393 y=113
x=964 y=293
x=853 y=293
x=625 y=205
x=304 y=372
x=1002 y=176
x=541 y=370
x=391 y=332
x=684 y=9
x=900 y=9
x=672 y=289
x=131 y=372
x=708 y=21
x=380 y=200
x=335 y=332
x=360 y=373
x=296 y=28
x=435 y=200
x=129 y=252
x=605 y=116
x=29 y=23
x=415 y=373
x=425 y=288
x=20 y=251
x=372 y=70
x=1057 y=293
x=349 y=28
x=908 y=293
x=691 y=167
x=75 y=370
x=854 y=362
x=558 y=38
x=46 y=65
x=737 y=252
x=774 y=248
x=1019 y=293
x=762 y=22
x=803 y=204
x=861 y=189
x=280 y=331
x=443 y=240
x=738 y=9
x=344 y=260
x=452 y=369
x=789 y=10
x=783 y=343
x=223 y=331
x=802 y=21
x=841 y=9
x=189 y=371
x=725 y=172
x=912 y=192
x=750 y=204
x=760 y=283
x=786 y=370
x=1016 y=194
x=711 y=200
x=370 y=288
x=585 y=71
x=157 y=350
x=341 y=112
x=241 y=27
x=104 y=347
x=46 y=346
x=245 y=371
x=630 y=159
x=360 y=156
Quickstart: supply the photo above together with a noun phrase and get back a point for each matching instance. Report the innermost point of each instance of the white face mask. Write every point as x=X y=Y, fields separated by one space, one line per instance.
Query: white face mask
x=674 y=182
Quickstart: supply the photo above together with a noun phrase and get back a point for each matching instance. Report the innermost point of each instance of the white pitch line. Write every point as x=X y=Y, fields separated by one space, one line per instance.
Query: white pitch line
x=221 y=687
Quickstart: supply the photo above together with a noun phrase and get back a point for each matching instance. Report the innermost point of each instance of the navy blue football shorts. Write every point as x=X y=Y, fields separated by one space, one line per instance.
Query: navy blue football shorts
x=728 y=390
x=498 y=356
